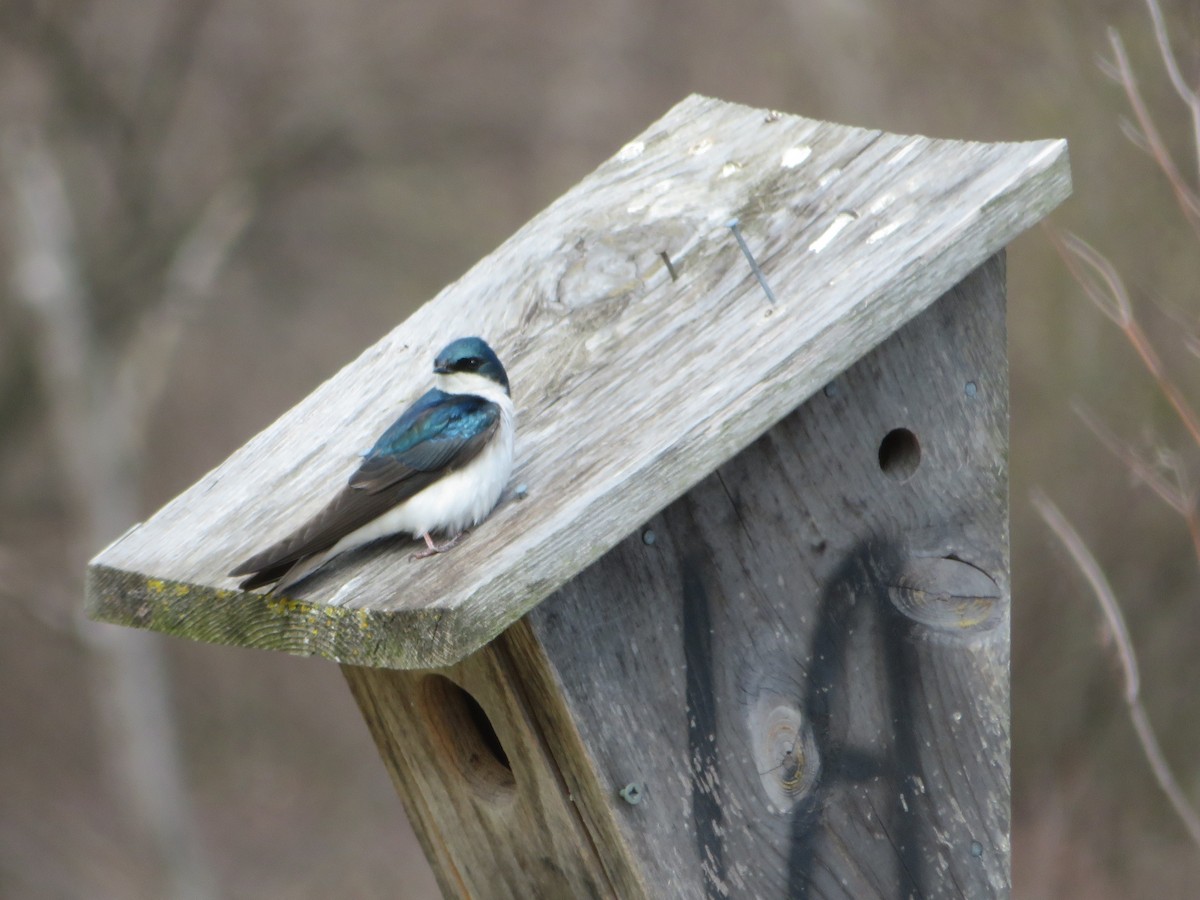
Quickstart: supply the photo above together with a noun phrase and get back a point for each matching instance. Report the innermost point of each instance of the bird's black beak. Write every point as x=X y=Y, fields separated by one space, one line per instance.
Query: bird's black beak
x=441 y=369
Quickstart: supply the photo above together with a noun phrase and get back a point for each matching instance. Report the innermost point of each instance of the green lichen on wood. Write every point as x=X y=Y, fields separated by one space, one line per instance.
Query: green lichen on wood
x=343 y=634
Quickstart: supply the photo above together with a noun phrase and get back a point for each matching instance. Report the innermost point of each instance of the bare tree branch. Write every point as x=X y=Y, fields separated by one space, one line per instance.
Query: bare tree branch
x=167 y=71
x=154 y=108
x=1134 y=135
x=48 y=282
x=131 y=691
x=1174 y=495
x=1087 y=565
x=1104 y=287
x=1177 y=493
x=1186 y=93
x=201 y=256
x=1185 y=195
x=1097 y=276
x=83 y=97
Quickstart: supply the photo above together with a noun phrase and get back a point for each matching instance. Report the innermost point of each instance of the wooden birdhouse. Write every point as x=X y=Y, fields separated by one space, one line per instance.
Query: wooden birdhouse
x=739 y=626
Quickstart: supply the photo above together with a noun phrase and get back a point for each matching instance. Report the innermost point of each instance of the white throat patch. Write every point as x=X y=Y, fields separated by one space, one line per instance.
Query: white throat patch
x=471 y=383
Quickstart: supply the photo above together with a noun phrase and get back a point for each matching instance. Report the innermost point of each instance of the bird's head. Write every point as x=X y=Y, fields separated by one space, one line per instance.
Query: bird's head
x=469 y=366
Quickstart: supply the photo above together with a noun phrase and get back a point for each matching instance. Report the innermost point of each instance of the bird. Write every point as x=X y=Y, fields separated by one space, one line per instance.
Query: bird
x=440 y=467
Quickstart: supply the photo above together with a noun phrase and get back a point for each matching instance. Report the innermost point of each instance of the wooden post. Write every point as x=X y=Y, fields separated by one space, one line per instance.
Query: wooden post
x=763 y=494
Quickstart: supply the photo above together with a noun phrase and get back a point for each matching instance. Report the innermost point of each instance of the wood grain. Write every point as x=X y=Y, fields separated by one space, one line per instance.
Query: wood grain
x=804 y=661
x=631 y=387
x=485 y=797
x=799 y=671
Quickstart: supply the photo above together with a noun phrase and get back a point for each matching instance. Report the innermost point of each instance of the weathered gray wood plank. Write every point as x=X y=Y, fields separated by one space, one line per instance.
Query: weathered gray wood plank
x=630 y=386
x=807 y=667
x=489 y=806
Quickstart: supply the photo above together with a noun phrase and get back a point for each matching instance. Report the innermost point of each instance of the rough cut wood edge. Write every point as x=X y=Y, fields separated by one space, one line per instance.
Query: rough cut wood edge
x=501 y=828
x=856 y=232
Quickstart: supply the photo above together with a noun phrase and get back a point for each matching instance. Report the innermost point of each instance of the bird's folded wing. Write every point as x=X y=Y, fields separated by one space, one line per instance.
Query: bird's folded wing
x=398 y=467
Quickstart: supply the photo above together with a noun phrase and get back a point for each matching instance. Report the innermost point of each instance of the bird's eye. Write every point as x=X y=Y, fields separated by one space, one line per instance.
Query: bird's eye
x=471 y=363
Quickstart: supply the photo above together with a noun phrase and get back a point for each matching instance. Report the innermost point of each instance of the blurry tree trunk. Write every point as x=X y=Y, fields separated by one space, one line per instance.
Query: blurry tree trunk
x=100 y=399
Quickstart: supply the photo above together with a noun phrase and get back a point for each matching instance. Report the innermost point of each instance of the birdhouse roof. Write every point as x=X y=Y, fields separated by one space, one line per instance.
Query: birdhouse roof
x=645 y=346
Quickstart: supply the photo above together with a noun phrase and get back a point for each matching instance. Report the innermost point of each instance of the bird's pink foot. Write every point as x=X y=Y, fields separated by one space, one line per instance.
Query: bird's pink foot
x=432 y=549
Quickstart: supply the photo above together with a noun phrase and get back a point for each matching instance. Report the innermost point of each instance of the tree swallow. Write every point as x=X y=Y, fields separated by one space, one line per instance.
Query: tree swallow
x=440 y=467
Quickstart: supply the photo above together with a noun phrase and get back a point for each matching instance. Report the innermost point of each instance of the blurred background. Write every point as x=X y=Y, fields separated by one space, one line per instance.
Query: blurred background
x=209 y=206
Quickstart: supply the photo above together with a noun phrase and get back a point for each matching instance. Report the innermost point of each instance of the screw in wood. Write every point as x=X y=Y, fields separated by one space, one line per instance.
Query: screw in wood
x=666 y=258
x=632 y=793
x=736 y=227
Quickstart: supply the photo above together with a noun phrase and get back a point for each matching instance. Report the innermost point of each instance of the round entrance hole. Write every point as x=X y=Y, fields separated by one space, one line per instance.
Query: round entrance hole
x=468 y=737
x=899 y=454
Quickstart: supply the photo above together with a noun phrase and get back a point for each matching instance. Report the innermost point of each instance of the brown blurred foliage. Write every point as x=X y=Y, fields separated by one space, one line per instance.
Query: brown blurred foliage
x=383 y=148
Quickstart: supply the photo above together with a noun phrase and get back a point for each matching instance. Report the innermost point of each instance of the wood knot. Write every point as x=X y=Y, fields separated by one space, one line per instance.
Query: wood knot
x=947 y=594
x=785 y=752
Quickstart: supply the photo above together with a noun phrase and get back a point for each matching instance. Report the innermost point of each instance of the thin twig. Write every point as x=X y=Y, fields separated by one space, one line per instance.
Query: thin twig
x=1185 y=195
x=1178 y=494
x=1141 y=468
x=1103 y=286
x=1187 y=94
x=201 y=256
x=164 y=81
x=1087 y=565
x=1110 y=297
